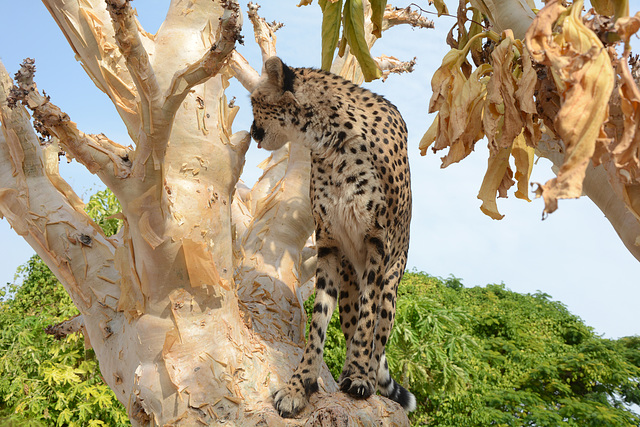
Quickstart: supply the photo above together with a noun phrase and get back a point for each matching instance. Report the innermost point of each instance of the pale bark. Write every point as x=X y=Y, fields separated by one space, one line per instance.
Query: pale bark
x=194 y=310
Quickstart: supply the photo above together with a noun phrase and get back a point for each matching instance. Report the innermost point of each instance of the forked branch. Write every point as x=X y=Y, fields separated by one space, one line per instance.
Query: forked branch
x=62 y=329
x=43 y=208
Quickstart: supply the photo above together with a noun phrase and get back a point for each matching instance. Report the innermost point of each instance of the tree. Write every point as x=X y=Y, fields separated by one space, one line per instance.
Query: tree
x=533 y=362
x=551 y=84
x=194 y=308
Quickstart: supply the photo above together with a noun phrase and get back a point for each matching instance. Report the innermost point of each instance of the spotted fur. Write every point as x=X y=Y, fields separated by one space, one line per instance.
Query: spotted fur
x=361 y=200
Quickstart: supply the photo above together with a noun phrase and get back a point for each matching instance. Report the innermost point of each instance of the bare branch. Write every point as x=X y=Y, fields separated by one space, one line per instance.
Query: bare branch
x=211 y=62
x=391 y=64
x=263 y=32
x=241 y=70
x=106 y=159
x=128 y=38
x=83 y=24
x=397 y=16
x=62 y=329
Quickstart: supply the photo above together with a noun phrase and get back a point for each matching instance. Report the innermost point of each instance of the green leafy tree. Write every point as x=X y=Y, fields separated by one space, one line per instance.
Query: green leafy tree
x=44 y=380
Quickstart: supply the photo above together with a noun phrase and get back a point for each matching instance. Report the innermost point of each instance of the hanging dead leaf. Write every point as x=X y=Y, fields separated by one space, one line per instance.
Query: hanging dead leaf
x=496 y=181
x=501 y=108
x=584 y=79
x=627 y=26
x=626 y=152
x=465 y=121
x=523 y=156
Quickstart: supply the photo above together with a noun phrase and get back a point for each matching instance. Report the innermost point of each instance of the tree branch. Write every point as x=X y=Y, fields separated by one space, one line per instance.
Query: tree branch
x=62 y=329
x=391 y=64
x=95 y=45
x=398 y=16
x=127 y=36
x=43 y=209
x=263 y=32
x=598 y=187
x=211 y=62
x=105 y=158
x=273 y=243
x=242 y=71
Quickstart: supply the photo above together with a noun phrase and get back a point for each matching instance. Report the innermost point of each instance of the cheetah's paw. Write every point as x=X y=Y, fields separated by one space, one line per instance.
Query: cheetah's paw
x=357 y=387
x=290 y=400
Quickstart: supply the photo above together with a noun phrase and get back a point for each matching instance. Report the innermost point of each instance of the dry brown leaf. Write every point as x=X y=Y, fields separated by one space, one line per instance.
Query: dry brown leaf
x=429 y=136
x=584 y=78
x=466 y=116
x=459 y=102
x=627 y=26
x=496 y=180
x=502 y=115
x=445 y=77
x=626 y=153
x=524 y=95
x=523 y=156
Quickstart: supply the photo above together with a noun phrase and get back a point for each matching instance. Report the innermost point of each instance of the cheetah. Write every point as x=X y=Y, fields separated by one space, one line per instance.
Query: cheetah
x=361 y=202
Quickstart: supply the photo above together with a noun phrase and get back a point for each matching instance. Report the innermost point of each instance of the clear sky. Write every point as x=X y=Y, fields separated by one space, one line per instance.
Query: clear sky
x=574 y=255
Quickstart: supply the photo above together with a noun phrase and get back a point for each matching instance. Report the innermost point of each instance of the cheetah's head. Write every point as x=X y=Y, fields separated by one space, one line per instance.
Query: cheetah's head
x=274 y=104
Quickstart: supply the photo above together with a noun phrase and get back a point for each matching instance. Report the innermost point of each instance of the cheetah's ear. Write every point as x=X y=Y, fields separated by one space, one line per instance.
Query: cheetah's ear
x=279 y=74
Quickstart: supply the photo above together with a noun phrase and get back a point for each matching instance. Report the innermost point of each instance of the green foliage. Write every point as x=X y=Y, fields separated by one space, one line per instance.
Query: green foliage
x=488 y=356
x=44 y=381
x=102 y=207
x=351 y=16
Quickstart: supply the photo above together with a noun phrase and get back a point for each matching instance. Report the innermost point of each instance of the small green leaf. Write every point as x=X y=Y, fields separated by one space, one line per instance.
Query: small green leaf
x=354 y=31
x=331 y=18
x=377 y=13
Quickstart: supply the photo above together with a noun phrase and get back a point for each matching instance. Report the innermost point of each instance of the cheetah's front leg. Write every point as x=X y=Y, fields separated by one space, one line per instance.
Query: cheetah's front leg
x=357 y=378
x=304 y=381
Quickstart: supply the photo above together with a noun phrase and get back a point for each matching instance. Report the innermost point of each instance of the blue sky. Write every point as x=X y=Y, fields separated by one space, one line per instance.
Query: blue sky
x=574 y=255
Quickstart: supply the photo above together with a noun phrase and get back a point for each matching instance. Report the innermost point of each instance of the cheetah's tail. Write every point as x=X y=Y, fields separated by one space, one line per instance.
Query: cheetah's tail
x=388 y=387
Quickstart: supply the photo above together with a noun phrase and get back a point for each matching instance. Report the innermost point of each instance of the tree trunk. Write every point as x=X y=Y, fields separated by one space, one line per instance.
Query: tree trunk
x=194 y=309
